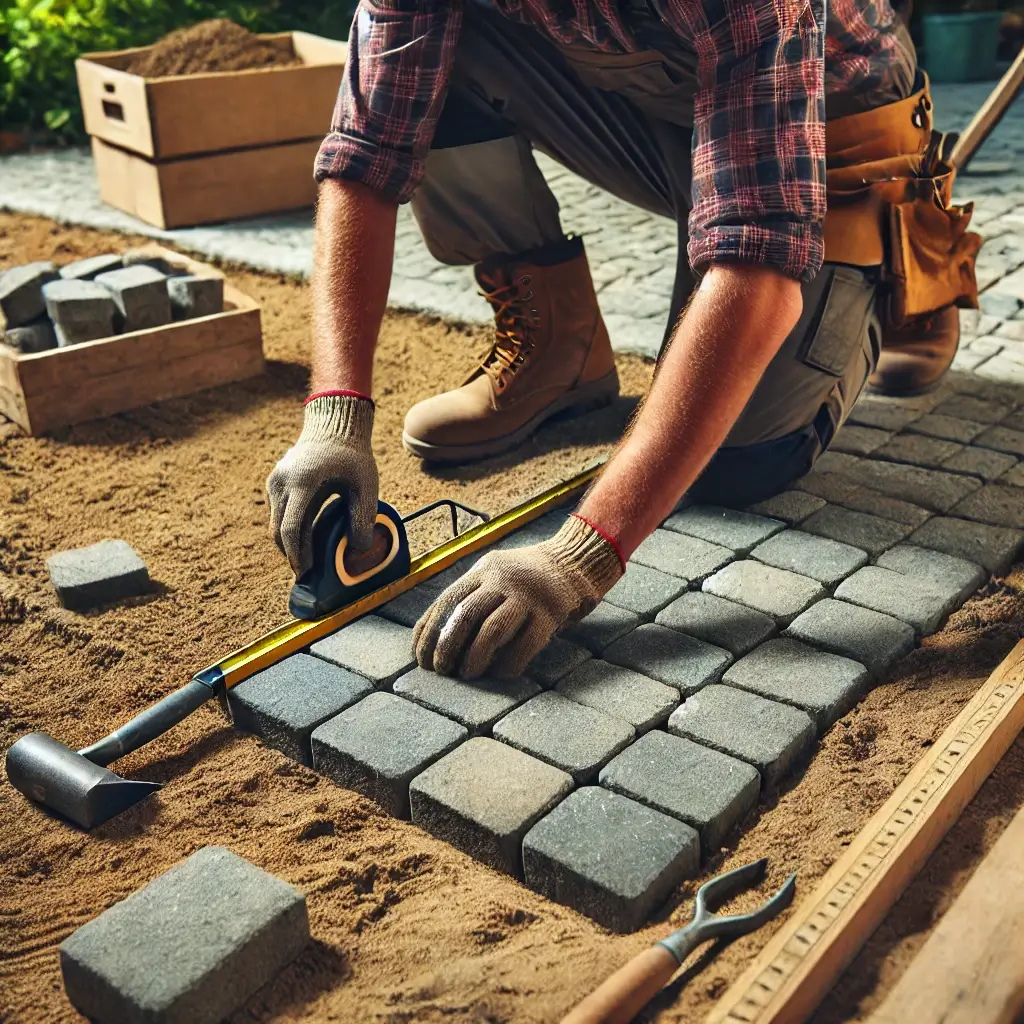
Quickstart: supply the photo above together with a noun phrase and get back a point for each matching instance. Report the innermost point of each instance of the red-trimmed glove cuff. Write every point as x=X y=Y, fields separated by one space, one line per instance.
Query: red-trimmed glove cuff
x=608 y=537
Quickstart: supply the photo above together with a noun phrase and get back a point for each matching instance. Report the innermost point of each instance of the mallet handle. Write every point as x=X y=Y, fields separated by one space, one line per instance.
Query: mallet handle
x=622 y=996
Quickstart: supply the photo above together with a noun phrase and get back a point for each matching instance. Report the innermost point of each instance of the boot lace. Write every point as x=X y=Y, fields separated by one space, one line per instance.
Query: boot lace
x=515 y=323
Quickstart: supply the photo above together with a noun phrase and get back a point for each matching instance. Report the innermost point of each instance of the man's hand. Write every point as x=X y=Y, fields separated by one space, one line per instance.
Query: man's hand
x=509 y=605
x=332 y=456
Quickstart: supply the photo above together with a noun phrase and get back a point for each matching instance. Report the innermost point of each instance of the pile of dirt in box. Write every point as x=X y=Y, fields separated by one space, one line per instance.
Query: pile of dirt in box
x=215 y=45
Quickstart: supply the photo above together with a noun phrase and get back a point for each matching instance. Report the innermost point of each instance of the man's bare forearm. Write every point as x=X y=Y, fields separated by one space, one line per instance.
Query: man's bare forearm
x=736 y=322
x=352 y=257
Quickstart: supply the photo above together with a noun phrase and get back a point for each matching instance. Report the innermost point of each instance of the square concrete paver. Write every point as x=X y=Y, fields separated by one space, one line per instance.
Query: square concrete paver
x=283 y=704
x=877 y=641
x=670 y=657
x=996 y=504
x=556 y=661
x=602 y=627
x=782 y=595
x=571 y=736
x=98 y=574
x=678 y=554
x=771 y=736
x=377 y=746
x=608 y=857
x=737 y=531
x=954 y=576
x=827 y=561
x=725 y=624
x=643 y=703
x=857 y=529
x=371 y=647
x=703 y=787
x=993 y=547
x=483 y=797
x=407 y=608
x=950 y=428
x=475 y=703
x=645 y=591
x=930 y=452
x=824 y=685
x=864 y=499
x=917 y=602
x=791 y=507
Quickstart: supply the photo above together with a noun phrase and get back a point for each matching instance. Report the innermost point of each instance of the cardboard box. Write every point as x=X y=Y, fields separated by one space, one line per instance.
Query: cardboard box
x=181 y=115
x=62 y=386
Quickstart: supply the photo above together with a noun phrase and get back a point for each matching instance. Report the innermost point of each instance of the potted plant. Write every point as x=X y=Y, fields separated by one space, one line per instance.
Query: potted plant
x=961 y=39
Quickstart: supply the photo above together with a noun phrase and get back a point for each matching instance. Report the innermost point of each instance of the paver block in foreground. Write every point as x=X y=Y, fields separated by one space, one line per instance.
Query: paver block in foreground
x=377 y=747
x=101 y=573
x=193 y=296
x=556 y=661
x=915 y=601
x=737 y=531
x=21 y=292
x=188 y=948
x=824 y=685
x=609 y=857
x=80 y=311
x=769 y=735
x=141 y=296
x=670 y=657
x=573 y=737
x=371 y=647
x=827 y=561
x=703 y=787
x=954 y=576
x=725 y=624
x=678 y=554
x=643 y=703
x=877 y=641
x=90 y=267
x=483 y=797
x=283 y=704
x=994 y=547
x=645 y=591
x=782 y=595
x=602 y=627
x=475 y=703
x=792 y=507
x=858 y=529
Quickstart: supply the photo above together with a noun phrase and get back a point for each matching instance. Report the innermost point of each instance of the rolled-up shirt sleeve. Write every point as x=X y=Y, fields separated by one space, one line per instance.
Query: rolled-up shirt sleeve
x=399 y=58
x=758 y=188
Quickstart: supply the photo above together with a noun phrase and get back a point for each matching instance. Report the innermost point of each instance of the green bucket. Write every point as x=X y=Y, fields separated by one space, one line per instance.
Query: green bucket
x=961 y=47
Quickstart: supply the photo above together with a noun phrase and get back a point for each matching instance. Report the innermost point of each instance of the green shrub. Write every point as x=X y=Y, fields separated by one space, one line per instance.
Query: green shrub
x=40 y=39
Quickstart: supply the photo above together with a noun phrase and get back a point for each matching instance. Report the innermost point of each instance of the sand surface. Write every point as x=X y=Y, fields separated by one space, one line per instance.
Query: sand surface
x=406 y=929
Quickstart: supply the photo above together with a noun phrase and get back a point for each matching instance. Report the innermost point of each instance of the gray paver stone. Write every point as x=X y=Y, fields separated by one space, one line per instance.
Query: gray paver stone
x=791 y=507
x=769 y=735
x=1014 y=477
x=864 y=499
x=602 y=627
x=556 y=661
x=148 y=258
x=721 y=623
x=996 y=504
x=476 y=703
x=645 y=590
x=858 y=529
x=38 y=336
x=856 y=440
x=608 y=857
x=956 y=577
x=670 y=656
x=188 y=948
x=193 y=296
x=283 y=704
x=408 y=607
x=571 y=736
x=80 y=311
x=883 y=415
x=983 y=462
x=873 y=639
x=829 y=486
x=141 y=296
x=930 y=452
x=827 y=561
x=703 y=787
x=824 y=685
x=781 y=594
x=993 y=547
x=966 y=407
x=21 y=292
x=689 y=558
x=483 y=797
x=930 y=488
x=98 y=574
x=371 y=647
x=917 y=602
x=951 y=428
x=377 y=747
x=643 y=703
x=90 y=267
x=737 y=531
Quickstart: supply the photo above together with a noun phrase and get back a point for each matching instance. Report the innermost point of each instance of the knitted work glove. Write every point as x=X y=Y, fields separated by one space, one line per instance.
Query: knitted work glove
x=509 y=605
x=331 y=457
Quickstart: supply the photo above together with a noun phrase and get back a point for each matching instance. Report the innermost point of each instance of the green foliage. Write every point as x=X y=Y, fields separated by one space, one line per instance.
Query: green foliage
x=40 y=39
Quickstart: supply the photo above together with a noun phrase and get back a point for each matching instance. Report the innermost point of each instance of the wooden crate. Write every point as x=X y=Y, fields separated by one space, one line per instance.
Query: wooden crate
x=69 y=385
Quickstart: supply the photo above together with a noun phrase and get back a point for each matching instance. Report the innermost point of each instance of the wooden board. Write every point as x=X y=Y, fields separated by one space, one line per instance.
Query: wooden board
x=971 y=969
x=800 y=963
x=991 y=113
x=57 y=388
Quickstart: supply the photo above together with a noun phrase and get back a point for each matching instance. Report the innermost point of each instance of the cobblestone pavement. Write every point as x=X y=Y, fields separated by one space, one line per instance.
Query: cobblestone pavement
x=632 y=253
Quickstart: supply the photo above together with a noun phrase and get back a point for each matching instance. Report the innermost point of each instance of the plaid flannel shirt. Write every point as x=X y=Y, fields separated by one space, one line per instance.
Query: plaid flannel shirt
x=763 y=69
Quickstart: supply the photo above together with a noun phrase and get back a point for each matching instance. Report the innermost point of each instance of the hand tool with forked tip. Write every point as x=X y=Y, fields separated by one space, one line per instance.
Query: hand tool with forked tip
x=622 y=996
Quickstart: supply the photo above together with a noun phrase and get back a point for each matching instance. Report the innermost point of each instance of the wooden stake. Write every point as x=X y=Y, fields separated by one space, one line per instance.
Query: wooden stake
x=985 y=120
x=789 y=979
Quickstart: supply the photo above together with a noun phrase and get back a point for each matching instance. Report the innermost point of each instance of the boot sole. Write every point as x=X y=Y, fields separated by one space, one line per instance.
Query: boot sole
x=585 y=398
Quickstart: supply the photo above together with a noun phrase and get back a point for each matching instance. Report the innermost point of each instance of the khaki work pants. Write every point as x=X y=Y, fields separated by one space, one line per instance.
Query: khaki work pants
x=624 y=124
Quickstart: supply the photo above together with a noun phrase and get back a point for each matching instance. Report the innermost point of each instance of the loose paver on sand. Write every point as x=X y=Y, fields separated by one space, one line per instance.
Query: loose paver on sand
x=101 y=573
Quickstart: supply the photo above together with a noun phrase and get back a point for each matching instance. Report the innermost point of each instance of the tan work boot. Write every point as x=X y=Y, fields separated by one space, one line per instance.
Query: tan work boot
x=915 y=357
x=550 y=353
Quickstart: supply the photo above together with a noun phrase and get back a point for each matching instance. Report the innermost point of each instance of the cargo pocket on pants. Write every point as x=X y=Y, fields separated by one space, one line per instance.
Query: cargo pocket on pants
x=847 y=310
